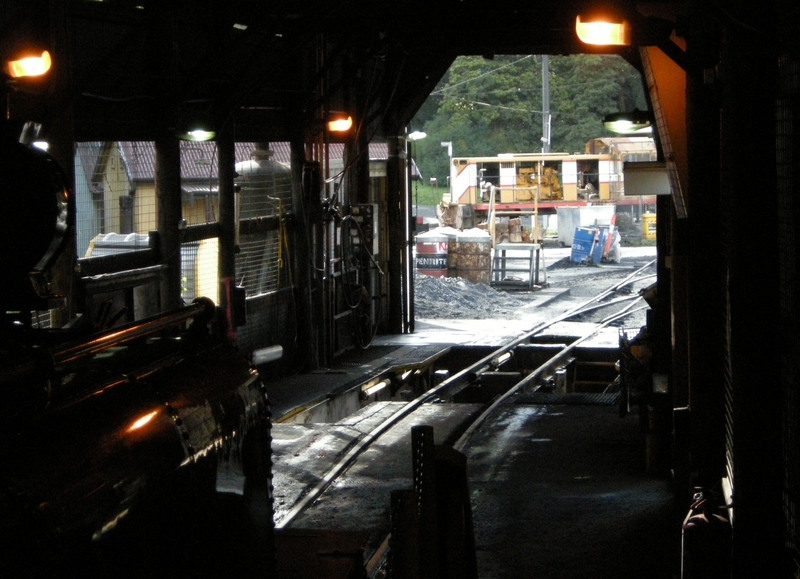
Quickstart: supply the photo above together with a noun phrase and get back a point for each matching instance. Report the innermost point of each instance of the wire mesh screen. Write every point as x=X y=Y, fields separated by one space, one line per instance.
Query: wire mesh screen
x=88 y=222
x=264 y=181
x=271 y=320
x=117 y=207
x=199 y=271
x=257 y=266
x=199 y=183
x=114 y=197
x=40 y=320
x=264 y=190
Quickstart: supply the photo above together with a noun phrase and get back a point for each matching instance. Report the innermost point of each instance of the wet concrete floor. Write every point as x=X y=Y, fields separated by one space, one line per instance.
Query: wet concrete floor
x=562 y=491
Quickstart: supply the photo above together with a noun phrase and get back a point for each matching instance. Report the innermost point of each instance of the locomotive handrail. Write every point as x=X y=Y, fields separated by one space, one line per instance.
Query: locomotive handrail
x=200 y=308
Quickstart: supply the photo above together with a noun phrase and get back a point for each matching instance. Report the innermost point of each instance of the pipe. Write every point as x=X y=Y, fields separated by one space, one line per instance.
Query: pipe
x=492 y=366
x=375 y=388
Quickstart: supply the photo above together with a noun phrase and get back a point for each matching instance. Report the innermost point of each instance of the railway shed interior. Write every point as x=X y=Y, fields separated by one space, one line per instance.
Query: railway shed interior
x=303 y=241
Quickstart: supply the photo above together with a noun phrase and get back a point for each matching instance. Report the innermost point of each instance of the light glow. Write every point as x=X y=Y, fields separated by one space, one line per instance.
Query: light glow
x=29 y=66
x=340 y=124
x=635 y=121
x=375 y=388
x=628 y=127
x=602 y=32
x=143 y=421
x=201 y=135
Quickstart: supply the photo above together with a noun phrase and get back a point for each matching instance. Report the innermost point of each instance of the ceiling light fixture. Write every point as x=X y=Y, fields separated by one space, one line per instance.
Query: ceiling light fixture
x=200 y=135
x=197 y=131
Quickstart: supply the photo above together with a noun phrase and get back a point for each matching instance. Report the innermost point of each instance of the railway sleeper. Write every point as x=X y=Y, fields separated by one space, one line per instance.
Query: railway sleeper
x=487 y=387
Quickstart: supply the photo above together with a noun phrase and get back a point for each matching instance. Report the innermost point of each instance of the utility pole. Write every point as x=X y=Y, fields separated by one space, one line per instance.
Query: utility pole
x=545 y=103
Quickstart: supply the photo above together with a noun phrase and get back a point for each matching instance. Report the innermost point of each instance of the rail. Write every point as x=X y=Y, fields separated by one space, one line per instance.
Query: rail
x=451 y=386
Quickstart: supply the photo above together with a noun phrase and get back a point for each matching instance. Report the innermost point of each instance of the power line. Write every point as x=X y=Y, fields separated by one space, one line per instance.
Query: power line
x=553 y=113
x=501 y=107
x=452 y=86
x=574 y=84
x=559 y=86
x=482 y=75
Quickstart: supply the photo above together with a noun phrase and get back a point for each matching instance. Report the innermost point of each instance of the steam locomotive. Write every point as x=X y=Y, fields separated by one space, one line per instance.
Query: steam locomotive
x=137 y=448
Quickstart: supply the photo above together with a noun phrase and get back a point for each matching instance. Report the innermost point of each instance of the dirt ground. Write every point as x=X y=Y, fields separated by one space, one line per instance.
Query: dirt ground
x=457 y=298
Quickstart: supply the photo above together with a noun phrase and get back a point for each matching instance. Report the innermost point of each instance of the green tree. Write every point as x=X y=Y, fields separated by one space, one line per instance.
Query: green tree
x=487 y=107
x=583 y=89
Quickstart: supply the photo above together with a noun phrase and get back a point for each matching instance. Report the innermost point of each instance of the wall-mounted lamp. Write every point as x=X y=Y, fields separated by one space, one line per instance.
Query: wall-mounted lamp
x=339 y=122
x=29 y=65
x=635 y=121
x=603 y=29
x=416 y=136
x=609 y=29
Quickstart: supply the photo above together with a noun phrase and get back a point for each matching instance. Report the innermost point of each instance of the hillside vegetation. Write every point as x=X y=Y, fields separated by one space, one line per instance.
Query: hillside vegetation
x=487 y=107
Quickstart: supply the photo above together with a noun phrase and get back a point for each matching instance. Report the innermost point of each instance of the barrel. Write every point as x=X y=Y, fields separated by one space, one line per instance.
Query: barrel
x=648 y=225
x=474 y=258
x=431 y=258
x=452 y=255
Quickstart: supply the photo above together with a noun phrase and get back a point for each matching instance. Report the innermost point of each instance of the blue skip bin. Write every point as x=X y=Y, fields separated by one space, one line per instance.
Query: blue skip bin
x=596 y=245
x=582 y=243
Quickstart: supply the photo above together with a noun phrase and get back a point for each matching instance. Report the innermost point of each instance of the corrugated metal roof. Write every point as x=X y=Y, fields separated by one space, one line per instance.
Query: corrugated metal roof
x=89 y=155
x=200 y=190
x=630 y=144
x=199 y=160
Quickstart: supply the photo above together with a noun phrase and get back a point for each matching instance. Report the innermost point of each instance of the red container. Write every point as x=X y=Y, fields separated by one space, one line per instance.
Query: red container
x=431 y=255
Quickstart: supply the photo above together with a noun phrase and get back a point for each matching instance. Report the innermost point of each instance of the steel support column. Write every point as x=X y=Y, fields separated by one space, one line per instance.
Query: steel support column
x=666 y=85
x=301 y=258
x=408 y=255
x=705 y=288
x=62 y=148
x=394 y=194
x=226 y=158
x=168 y=199
x=748 y=126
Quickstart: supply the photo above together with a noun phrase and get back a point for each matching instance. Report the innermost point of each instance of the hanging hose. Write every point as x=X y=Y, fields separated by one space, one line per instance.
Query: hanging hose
x=283 y=241
x=359 y=299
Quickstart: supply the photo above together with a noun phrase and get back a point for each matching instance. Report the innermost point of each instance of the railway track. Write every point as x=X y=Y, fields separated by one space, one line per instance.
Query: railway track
x=450 y=387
